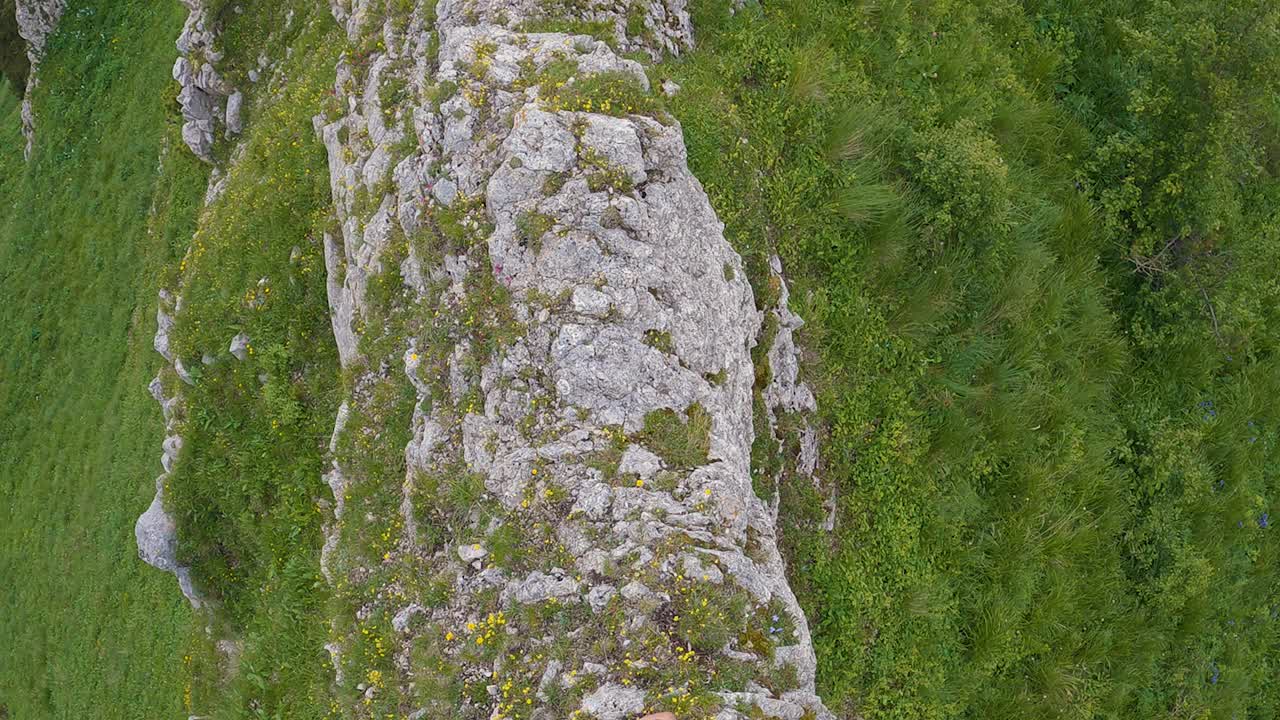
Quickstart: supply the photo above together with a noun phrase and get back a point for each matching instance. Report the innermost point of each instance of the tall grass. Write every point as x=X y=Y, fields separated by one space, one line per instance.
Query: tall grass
x=86 y=627
x=1036 y=518
x=101 y=218
x=245 y=491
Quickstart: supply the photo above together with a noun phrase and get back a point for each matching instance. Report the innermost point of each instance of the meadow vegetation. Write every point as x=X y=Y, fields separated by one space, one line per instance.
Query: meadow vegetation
x=1033 y=243
x=108 y=212
x=247 y=490
x=86 y=230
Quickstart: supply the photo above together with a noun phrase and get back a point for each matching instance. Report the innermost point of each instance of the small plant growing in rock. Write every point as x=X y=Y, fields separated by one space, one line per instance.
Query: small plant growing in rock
x=530 y=227
x=553 y=183
x=438 y=93
x=659 y=340
x=681 y=442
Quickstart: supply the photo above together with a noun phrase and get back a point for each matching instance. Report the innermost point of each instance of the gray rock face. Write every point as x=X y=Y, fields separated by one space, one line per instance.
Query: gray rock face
x=37 y=19
x=235 y=104
x=208 y=101
x=156 y=535
x=240 y=347
x=575 y=232
x=614 y=702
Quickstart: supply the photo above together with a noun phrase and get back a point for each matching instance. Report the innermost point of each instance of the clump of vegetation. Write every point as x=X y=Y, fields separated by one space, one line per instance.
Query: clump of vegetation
x=603 y=175
x=682 y=440
x=707 y=618
x=530 y=227
x=615 y=93
x=636 y=27
x=660 y=340
x=439 y=92
x=553 y=183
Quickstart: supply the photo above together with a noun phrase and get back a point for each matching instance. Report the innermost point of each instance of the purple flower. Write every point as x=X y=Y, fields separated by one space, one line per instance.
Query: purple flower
x=1264 y=521
x=1207 y=406
x=1214 y=678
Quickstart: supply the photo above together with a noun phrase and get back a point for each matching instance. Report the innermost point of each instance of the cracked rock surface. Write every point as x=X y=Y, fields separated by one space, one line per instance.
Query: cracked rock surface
x=561 y=521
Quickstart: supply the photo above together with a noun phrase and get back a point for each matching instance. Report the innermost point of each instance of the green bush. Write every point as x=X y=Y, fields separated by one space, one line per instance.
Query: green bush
x=964 y=181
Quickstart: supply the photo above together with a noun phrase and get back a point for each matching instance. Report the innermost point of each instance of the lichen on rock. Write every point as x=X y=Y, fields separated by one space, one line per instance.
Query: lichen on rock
x=544 y=505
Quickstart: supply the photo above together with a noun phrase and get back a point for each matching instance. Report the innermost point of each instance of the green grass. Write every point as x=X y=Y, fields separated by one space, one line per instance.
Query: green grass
x=1036 y=517
x=87 y=627
x=682 y=440
x=247 y=489
x=91 y=230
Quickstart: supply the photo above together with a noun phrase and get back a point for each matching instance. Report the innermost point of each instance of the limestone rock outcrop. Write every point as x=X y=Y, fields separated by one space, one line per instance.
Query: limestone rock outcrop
x=37 y=19
x=573 y=531
x=208 y=101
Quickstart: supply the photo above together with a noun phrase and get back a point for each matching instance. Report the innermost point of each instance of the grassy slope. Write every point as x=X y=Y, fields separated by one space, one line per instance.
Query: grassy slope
x=87 y=628
x=91 y=230
x=1038 y=517
x=246 y=488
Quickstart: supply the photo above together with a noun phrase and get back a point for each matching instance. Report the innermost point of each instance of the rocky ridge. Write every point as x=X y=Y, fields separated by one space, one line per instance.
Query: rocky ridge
x=570 y=529
x=565 y=526
x=37 y=19
x=156 y=530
